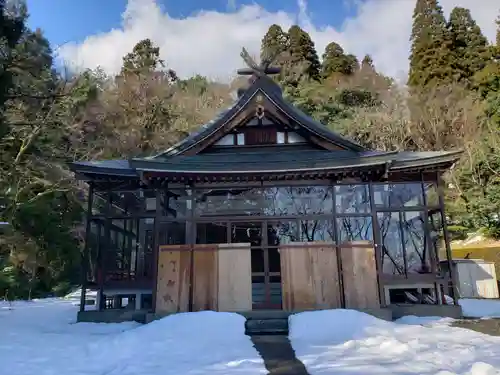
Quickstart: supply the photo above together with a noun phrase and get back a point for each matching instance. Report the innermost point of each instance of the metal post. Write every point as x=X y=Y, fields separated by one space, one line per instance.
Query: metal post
x=85 y=256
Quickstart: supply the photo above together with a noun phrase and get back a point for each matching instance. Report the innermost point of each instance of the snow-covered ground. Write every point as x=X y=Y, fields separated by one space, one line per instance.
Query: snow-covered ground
x=42 y=338
x=347 y=342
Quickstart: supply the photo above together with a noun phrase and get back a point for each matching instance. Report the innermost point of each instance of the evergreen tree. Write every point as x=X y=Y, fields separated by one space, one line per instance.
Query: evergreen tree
x=470 y=46
x=367 y=62
x=12 y=26
x=33 y=73
x=336 y=61
x=352 y=63
x=498 y=31
x=144 y=58
x=303 y=62
x=430 y=60
x=274 y=43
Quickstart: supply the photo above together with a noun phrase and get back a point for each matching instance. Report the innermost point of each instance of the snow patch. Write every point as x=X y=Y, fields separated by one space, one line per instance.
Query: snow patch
x=348 y=342
x=43 y=338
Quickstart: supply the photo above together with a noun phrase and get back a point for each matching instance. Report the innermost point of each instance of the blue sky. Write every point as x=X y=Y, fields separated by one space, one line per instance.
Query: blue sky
x=92 y=34
x=72 y=20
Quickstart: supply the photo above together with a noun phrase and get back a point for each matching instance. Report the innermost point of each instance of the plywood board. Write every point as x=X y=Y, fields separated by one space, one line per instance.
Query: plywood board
x=235 y=277
x=477 y=279
x=309 y=276
x=205 y=280
x=359 y=274
x=172 y=291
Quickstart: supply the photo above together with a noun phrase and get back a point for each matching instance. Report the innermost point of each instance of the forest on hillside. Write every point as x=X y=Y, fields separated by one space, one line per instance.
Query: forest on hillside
x=47 y=119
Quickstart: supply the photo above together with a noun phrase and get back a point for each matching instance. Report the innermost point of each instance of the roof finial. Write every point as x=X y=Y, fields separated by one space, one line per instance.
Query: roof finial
x=256 y=69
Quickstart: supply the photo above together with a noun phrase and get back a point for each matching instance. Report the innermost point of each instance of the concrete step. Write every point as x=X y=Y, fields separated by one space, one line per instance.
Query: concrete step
x=266 y=327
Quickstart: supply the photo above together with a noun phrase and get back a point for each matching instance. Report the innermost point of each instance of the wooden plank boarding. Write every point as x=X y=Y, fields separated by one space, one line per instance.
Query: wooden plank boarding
x=205 y=278
x=309 y=276
x=172 y=293
x=235 y=277
x=359 y=273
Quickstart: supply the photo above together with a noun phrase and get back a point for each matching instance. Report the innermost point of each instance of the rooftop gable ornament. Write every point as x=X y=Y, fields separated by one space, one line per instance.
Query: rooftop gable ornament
x=258 y=70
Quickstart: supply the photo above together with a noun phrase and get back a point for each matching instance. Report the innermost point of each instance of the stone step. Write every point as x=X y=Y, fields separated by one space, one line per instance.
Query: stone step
x=266 y=314
x=266 y=327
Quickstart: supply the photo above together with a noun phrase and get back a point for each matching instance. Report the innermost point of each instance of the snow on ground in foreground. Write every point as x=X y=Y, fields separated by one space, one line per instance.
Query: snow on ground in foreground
x=347 y=342
x=480 y=308
x=41 y=338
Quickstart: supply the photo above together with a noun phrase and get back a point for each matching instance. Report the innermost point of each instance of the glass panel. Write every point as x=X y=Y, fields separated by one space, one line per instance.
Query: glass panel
x=277 y=201
x=173 y=233
x=398 y=195
x=146 y=301
x=175 y=203
x=417 y=251
x=392 y=246
x=145 y=261
x=431 y=194
x=119 y=251
x=355 y=229
x=247 y=233
x=352 y=199
x=274 y=260
x=212 y=233
x=316 y=230
x=436 y=235
x=283 y=232
x=257 y=260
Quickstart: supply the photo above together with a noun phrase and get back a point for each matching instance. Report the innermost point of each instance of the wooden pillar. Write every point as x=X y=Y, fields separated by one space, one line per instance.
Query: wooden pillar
x=156 y=243
x=337 y=247
x=85 y=255
x=377 y=243
x=427 y=237
x=191 y=240
x=103 y=253
x=440 y=185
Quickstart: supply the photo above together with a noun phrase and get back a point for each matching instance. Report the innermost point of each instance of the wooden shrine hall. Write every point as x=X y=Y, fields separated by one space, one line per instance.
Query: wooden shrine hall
x=264 y=208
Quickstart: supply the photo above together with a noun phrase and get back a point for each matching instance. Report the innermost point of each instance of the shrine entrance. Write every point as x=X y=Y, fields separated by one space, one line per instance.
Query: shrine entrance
x=265 y=262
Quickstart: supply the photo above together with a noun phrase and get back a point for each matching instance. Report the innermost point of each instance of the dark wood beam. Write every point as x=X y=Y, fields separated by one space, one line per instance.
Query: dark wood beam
x=85 y=255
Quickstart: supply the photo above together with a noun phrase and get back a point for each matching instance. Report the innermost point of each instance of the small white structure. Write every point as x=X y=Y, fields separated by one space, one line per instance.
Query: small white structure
x=476 y=278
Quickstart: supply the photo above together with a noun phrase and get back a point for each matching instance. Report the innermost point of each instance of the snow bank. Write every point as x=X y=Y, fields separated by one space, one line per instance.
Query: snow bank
x=347 y=342
x=480 y=308
x=41 y=338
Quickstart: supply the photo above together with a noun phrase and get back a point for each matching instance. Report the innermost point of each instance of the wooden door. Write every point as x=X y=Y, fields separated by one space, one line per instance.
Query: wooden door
x=174 y=273
x=309 y=276
x=205 y=277
x=222 y=278
x=235 y=277
x=174 y=278
x=359 y=273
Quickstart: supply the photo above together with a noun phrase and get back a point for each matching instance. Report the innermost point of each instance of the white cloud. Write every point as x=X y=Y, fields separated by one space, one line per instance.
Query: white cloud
x=209 y=42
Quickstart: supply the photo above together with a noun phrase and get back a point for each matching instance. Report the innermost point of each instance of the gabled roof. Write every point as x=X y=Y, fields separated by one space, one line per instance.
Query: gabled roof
x=337 y=156
x=268 y=88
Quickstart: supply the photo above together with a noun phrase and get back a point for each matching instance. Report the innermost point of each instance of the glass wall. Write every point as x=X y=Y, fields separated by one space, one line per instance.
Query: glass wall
x=402 y=218
x=396 y=217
